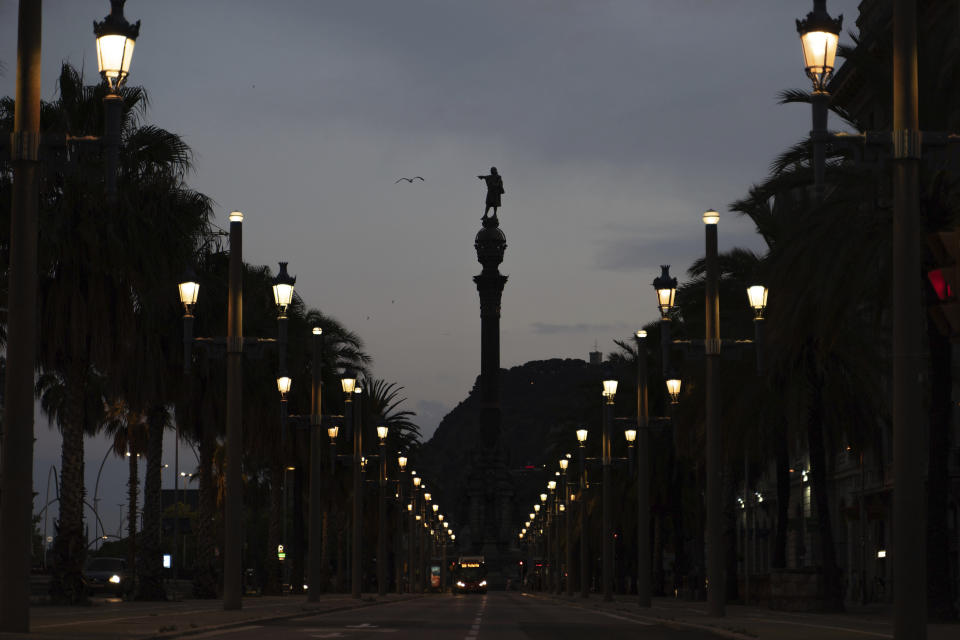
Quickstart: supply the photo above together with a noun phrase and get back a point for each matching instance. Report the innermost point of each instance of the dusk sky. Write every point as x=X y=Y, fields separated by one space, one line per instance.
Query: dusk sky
x=613 y=123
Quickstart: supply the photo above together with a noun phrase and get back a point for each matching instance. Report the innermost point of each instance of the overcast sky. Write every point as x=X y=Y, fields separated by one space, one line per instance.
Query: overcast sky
x=614 y=123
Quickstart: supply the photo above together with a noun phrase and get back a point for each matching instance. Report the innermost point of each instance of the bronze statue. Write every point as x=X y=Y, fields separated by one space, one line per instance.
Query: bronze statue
x=494 y=191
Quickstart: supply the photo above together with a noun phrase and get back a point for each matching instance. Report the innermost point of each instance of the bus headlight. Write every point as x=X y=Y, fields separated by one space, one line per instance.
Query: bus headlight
x=115 y=579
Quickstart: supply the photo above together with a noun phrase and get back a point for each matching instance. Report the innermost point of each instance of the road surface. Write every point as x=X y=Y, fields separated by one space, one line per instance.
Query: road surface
x=496 y=616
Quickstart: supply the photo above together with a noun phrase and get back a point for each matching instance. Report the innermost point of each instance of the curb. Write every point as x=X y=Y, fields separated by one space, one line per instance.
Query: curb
x=667 y=622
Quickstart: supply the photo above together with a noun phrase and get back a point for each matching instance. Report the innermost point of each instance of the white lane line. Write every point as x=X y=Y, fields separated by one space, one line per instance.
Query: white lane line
x=220 y=632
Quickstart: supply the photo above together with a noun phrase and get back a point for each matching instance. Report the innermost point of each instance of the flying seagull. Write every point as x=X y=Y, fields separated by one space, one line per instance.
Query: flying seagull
x=410 y=180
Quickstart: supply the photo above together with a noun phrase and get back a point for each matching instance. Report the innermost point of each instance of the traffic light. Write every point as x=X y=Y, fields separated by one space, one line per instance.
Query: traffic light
x=945 y=280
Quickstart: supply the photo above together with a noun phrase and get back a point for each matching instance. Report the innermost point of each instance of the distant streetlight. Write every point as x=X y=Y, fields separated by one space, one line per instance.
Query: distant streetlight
x=609 y=392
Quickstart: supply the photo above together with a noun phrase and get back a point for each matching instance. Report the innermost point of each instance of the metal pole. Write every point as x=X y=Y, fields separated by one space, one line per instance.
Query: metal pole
x=357 y=488
x=584 y=545
x=819 y=102
x=715 y=552
x=316 y=569
x=746 y=529
x=233 y=512
x=606 y=491
x=174 y=556
x=16 y=503
x=112 y=113
x=566 y=532
x=382 y=523
x=644 y=571
x=443 y=561
x=411 y=540
x=909 y=463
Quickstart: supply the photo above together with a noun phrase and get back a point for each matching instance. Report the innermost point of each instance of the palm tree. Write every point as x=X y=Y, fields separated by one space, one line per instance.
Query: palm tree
x=129 y=434
x=98 y=271
x=76 y=416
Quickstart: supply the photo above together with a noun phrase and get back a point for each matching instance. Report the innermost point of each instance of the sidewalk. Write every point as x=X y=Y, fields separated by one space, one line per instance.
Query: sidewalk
x=751 y=623
x=143 y=620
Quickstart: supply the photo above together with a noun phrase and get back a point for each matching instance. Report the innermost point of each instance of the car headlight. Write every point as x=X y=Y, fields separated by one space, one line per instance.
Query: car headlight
x=461 y=584
x=115 y=579
x=483 y=583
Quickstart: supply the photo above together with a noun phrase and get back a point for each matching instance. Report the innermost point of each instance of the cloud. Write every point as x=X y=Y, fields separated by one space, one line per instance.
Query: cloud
x=550 y=328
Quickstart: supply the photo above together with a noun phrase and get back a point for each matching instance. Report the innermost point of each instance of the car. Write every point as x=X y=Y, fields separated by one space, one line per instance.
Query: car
x=107 y=575
x=467 y=585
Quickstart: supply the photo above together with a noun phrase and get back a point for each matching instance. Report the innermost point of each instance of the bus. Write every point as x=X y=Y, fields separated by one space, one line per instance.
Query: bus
x=470 y=575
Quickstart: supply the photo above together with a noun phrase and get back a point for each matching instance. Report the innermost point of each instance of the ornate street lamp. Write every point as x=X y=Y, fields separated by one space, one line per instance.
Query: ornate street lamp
x=819 y=35
x=348 y=382
x=757 y=295
x=382 y=433
x=582 y=436
x=666 y=288
x=115 y=40
x=189 y=290
x=283 y=289
x=402 y=462
x=283 y=386
x=673 y=387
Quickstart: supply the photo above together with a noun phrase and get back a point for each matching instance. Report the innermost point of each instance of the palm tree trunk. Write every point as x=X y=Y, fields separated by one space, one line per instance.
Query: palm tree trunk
x=831 y=576
x=150 y=585
x=132 y=492
x=272 y=562
x=69 y=548
x=205 y=568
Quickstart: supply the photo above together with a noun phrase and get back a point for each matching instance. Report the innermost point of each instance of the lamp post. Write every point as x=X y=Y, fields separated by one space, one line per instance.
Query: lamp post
x=547 y=542
x=582 y=512
x=443 y=554
x=716 y=573
x=819 y=34
x=233 y=509
x=564 y=463
x=424 y=549
x=609 y=394
x=16 y=503
x=348 y=384
x=283 y=294
x=382 y=522
x=316 y=569
x=411 y=509
x=644 y=590
x=398 y=549
x=176 y=530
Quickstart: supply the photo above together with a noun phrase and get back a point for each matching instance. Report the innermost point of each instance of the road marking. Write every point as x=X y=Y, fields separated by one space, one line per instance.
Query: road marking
x=220 y=632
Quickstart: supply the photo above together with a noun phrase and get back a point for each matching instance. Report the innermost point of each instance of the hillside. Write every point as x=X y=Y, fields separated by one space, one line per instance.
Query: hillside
x=543 y=402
